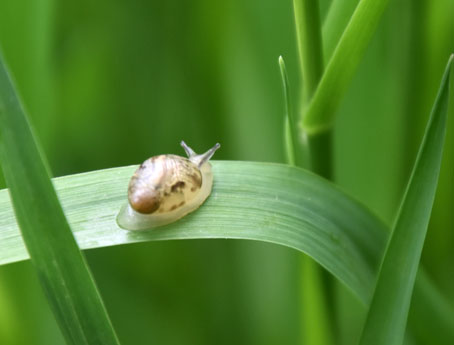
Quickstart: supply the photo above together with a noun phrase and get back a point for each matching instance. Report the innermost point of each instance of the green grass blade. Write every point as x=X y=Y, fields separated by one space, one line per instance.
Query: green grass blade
x=320 y=113
x=290 y=133
x=387 y=317
x=339 y=13
x=56 y=257
x=255 y=201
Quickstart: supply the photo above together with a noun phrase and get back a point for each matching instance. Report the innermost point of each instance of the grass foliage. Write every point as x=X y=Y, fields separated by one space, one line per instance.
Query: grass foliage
x=111 y=92
x=59 y=264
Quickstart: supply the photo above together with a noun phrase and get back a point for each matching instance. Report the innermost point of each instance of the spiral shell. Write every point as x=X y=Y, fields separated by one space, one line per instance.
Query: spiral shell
x=165 y=188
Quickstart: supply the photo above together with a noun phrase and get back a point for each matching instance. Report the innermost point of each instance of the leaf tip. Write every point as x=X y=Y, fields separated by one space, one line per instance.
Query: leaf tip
x=281 y=63
x=451 y=58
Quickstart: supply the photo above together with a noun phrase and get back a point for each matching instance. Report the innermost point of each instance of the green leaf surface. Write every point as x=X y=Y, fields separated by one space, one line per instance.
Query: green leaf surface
x=387 y=317
x=55 y=255
x=339 y=13
x=320 y=113
x=257 y=201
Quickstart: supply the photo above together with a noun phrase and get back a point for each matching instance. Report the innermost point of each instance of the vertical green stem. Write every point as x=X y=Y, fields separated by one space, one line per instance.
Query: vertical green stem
x=316 y=322
x=320 y=150
x=308 y=32
x=310 y=48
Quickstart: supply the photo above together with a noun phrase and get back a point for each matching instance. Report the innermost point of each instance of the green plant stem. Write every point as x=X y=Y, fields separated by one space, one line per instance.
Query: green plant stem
x=316 y=321
x=308 y=32
x=321 y=152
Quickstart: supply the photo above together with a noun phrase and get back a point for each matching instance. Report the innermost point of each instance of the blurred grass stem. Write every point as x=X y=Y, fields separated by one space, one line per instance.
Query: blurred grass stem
x=316 y=321
x=308 y=32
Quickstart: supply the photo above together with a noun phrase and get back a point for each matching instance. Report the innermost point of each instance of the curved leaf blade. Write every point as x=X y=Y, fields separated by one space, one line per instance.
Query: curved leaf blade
x=387 y=317
x=257 y=201
x=234 y=210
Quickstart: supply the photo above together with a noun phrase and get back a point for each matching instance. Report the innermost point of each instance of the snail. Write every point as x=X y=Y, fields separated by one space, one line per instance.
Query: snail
x=165 y=188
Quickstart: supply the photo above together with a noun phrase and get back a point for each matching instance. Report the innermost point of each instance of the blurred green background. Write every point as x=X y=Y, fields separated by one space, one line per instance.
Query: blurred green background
x=111 y=83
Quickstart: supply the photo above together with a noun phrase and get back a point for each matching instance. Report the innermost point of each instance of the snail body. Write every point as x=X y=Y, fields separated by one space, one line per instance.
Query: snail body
x=165 y=188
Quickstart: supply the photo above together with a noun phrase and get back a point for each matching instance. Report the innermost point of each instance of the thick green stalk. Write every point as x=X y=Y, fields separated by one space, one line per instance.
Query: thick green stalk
x=316 y=320
x=321 y=152
x=308 y=32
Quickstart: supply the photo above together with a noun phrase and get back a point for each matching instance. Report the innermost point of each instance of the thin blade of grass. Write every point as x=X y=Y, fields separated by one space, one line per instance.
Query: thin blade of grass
x=253 y=201
x=387 y=316
x=320 y=113
x=53 y=250
x=290 y=132
x=339 y=13
x=256 y=201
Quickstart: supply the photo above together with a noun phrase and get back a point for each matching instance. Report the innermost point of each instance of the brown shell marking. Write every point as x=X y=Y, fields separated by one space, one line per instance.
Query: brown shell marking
x=163 y=184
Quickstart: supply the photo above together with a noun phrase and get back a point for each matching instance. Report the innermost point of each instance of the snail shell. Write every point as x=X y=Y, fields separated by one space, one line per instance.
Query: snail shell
x=165 y=188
